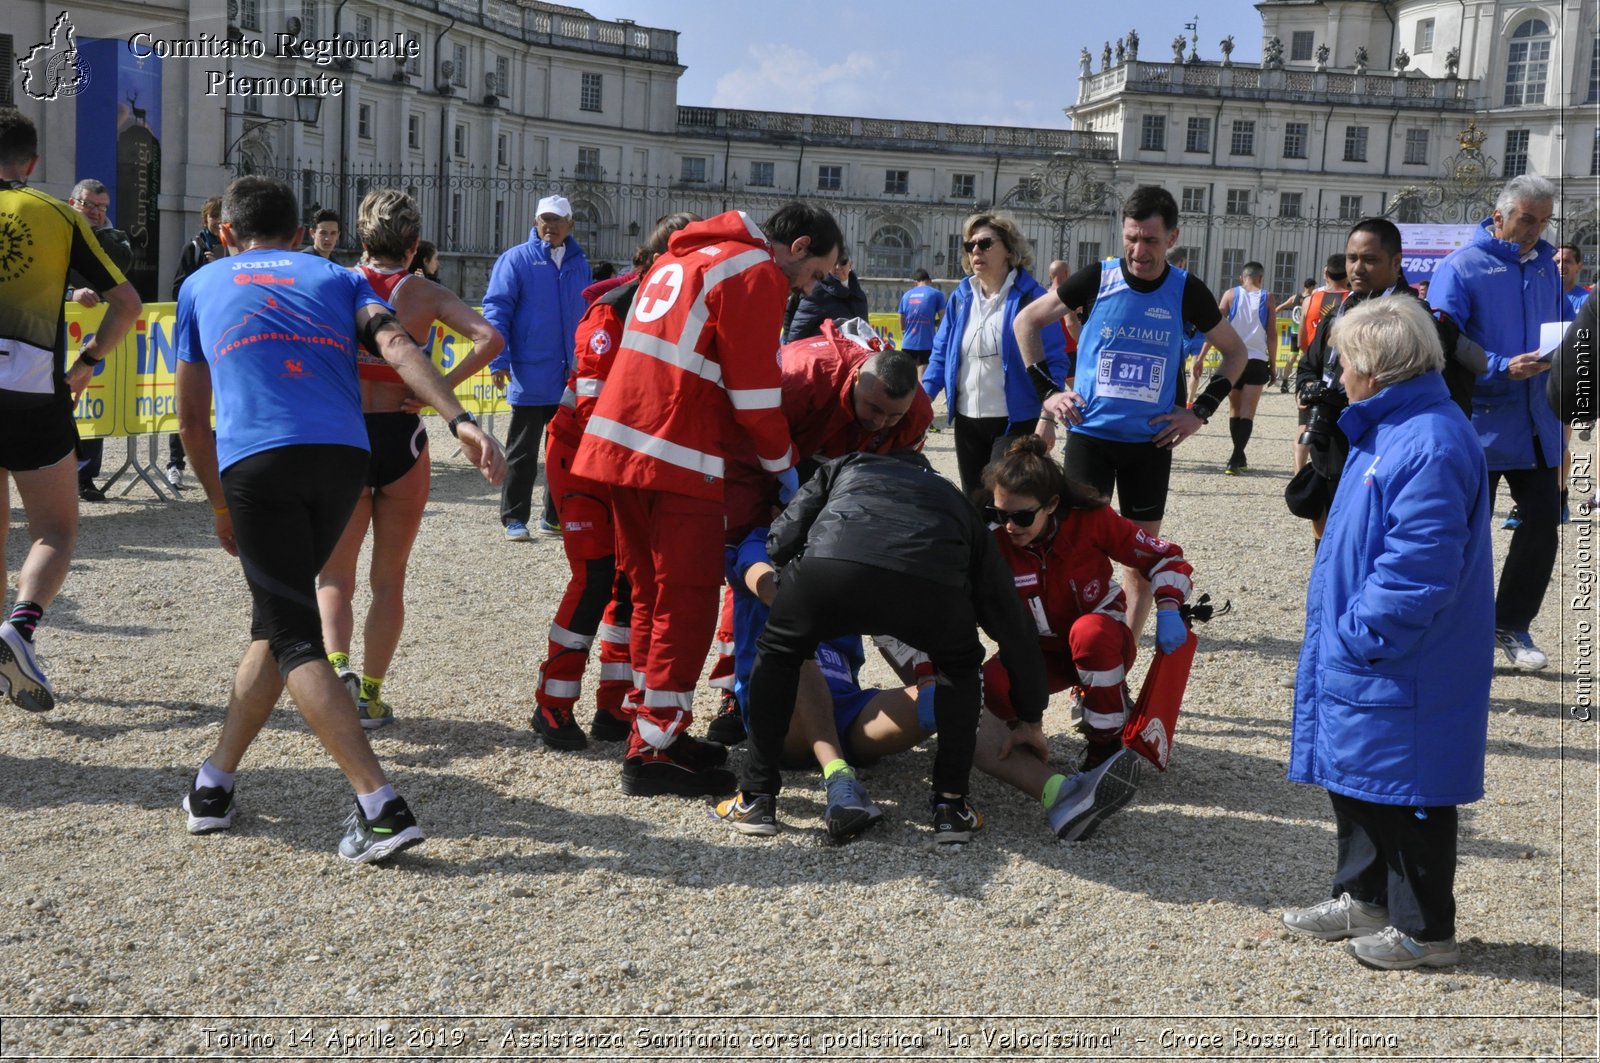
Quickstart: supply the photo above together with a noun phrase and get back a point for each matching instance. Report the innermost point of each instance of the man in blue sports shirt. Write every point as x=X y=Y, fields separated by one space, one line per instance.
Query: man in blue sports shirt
x=271 y=333
x=920 y=308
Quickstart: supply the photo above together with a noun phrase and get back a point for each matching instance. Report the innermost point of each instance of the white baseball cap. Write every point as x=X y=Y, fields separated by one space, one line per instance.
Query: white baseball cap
x=557 y=205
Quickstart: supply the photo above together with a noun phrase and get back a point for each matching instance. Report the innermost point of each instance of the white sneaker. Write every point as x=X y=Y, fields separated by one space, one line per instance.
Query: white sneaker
x=20 y=674
x=1391 y=950
x=1341 y=917
x=175 y=476
x=1520 y=651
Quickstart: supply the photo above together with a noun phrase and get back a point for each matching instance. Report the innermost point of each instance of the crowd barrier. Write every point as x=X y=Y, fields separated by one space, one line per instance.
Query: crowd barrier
x=134 y=391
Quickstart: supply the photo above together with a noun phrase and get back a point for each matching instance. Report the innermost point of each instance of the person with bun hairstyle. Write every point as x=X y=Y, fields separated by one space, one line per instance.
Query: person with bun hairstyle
x=1059 y=537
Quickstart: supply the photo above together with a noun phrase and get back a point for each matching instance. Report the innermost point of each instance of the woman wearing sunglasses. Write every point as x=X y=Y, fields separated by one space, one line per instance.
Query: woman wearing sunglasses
x=1059 y=538
x=975 y=357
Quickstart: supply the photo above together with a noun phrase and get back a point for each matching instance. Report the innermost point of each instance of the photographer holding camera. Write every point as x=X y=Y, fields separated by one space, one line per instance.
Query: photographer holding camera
x=1372 y=263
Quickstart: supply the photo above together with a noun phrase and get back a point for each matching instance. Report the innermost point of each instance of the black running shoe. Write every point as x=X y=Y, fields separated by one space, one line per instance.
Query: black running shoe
x=954 y=821
x=374 y=841
x=728 y=728
x=608 y=727
x=210 y=809
x=557 y=727
x=755 y=814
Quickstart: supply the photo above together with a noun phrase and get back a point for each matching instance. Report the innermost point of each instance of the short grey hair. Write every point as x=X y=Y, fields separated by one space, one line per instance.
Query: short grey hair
x=1525 y=188
x=1391 y=338
x=87 y=187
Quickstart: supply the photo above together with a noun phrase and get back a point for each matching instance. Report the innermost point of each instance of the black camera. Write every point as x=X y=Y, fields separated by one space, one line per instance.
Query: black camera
x=1323 y=405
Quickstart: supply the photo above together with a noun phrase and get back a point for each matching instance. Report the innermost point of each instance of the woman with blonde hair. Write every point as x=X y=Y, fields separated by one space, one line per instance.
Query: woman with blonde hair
x=389 y=226
x=975 y=358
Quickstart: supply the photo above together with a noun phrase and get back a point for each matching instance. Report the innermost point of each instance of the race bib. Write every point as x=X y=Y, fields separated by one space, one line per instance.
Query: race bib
x=1130 y=375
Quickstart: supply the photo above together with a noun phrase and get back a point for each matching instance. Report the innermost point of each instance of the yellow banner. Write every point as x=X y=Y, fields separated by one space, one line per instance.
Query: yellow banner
x=134 y=390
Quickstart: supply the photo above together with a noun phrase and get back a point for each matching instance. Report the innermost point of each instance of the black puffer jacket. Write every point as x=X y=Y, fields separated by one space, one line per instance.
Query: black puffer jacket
x=831 y=300
x=901 y=516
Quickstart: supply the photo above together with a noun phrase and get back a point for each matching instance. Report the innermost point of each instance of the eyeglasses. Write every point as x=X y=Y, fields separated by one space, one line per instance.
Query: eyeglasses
x=978 y=245
x=1022 y=518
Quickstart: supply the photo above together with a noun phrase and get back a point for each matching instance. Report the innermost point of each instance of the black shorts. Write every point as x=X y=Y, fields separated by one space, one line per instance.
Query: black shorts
x=1256 y=371
x=398 y=440
x=1141 y=472
x=290 y=505
x=37 y=437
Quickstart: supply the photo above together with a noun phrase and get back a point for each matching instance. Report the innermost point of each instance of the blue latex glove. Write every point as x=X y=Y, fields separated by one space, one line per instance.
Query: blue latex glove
x=925 y=717
x=788 y=485
x=1171 y=631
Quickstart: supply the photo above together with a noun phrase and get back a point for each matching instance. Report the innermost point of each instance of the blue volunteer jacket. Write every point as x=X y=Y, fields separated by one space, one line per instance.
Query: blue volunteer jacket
x=944 y=363
x=1391 y=699
x=536 y=307
x=1500 y=302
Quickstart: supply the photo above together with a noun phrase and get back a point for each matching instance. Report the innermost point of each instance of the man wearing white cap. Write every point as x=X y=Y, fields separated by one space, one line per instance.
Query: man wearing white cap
x=535 y=300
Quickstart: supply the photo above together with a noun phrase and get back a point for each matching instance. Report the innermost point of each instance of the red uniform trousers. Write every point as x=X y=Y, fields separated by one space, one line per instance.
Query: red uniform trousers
x=670 y=549
x=1101 y=651
x=597 y=596
x=721 y=677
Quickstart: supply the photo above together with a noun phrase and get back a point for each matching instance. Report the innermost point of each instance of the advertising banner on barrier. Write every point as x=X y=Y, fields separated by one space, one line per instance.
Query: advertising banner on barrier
x=1423 y=247
x=134 y=391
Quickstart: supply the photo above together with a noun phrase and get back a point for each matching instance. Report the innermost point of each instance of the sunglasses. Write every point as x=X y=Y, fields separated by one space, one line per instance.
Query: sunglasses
x=1022 y=518
x=979 y=245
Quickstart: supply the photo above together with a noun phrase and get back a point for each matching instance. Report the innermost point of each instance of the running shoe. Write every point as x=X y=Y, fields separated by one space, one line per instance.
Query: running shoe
x=608 y=726
x=850 y=811
x=557 y=727
x=549 y=528
x=517 y=532
x=88 y=492
x=954 y=821
x=1391 y=950
x=352 y=682
x=1341 y=917
x=175 y=477
x=1520 y=651
x=374 y=712
x=24 y=680
x=1513 y=520
x=727 y=728
x=376 y=840
x=1087 y=799
x=755 y=814
x=210 y=809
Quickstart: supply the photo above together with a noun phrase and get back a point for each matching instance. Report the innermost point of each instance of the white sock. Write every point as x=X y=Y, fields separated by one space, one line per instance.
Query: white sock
x=209 y=775
x=372 y=804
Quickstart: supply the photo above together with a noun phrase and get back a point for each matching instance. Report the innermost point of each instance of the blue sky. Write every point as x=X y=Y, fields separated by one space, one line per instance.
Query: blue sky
x=933 y=60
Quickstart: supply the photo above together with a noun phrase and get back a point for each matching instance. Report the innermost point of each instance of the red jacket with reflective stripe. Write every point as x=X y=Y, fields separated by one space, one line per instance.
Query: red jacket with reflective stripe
x=1068 y=574
x=599 y=333
x=819 y=401
x=696 y=376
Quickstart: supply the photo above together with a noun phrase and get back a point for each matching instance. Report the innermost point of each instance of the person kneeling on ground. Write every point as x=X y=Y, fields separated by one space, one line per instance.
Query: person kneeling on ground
x=839 y=724
x=875 y=543
x=1391 y=707
x=1059 y=538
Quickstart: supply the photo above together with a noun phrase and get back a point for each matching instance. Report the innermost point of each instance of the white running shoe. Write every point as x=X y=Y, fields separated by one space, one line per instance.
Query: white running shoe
x=24 y=680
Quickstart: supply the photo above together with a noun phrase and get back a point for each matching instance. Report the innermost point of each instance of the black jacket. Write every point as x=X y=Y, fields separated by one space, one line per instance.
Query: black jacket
x=1572 y=369
x=1460 y=357
x=194 y=256
x=832 y=299
x=901 y=516
x=115 y=243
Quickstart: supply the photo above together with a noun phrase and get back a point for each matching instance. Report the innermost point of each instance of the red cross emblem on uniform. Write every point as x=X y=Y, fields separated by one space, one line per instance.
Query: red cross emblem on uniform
x=658 y=295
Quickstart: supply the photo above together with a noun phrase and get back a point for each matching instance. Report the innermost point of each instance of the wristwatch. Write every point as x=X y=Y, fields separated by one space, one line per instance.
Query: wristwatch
x=458 y=420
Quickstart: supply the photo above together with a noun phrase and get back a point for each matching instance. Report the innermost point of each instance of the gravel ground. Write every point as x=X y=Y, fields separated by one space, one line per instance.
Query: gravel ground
x=550 y=915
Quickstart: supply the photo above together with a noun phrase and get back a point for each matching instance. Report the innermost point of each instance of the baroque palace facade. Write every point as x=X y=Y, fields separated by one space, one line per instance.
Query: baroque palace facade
x=1414 y=108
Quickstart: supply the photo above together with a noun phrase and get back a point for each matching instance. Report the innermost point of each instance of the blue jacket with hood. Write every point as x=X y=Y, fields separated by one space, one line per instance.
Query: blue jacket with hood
x=536 y=305
x=1391 y=701
x=944 y=362
x=1500 y=301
